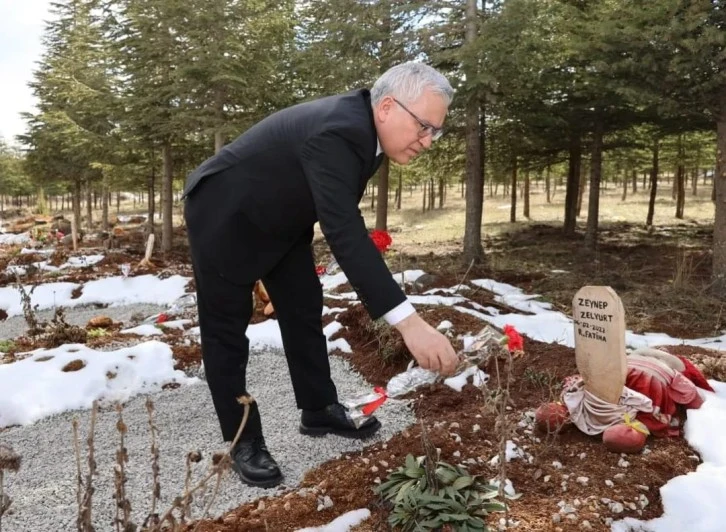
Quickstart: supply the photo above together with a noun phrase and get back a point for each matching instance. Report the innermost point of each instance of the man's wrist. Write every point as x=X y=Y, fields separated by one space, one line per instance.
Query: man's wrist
x=399 y=313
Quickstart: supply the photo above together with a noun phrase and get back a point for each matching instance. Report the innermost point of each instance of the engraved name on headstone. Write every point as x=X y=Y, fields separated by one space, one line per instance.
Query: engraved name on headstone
x=599 y=321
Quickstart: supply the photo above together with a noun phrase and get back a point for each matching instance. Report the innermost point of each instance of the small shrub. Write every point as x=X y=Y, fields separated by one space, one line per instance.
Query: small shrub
x=443 y=495
x=97 y=332
x=6 y=346
x=391 y=347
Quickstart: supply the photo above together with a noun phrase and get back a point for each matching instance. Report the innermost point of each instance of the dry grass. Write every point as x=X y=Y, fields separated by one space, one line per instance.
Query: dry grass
x=414 y=227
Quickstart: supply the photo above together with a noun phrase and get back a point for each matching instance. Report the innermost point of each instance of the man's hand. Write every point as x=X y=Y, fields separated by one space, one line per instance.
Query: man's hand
x=431 y=349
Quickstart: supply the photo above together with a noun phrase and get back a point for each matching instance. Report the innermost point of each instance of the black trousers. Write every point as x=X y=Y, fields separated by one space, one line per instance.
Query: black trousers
x=225 y=309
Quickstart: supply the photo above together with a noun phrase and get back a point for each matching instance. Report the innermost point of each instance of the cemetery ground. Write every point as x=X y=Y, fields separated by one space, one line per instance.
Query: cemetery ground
x=566 y=481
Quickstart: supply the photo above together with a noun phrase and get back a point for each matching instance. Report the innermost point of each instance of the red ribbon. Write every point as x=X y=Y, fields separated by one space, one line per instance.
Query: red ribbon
x=373 y=405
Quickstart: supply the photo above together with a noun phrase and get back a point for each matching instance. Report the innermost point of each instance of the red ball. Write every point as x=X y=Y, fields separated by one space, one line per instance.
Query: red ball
x=623 y=439
x=551 y=417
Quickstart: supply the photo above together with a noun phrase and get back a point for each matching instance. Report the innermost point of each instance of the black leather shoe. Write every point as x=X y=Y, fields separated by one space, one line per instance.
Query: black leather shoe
x=335 y=419
x=254 y=464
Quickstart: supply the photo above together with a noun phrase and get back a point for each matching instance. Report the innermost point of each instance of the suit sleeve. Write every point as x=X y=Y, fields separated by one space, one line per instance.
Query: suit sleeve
x=333 y=170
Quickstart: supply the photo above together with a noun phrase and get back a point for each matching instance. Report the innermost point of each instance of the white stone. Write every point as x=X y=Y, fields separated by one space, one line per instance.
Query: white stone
x=616 y=508
x=609 y=483
x=557 y=465
x=583 y=480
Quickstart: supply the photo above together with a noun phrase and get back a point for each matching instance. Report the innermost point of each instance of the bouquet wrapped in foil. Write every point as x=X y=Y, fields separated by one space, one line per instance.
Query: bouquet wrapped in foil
x=489 y=342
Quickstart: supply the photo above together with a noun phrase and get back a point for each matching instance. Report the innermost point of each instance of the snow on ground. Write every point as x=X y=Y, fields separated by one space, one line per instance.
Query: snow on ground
x=50 y=381
x=111 y=290
x=343 y=523
x=80 y=261
x=11 y=239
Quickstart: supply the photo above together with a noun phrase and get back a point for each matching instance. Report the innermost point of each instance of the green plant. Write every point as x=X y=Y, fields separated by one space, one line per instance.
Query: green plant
x=97 y=332
x=6 y=346
x=443 y=495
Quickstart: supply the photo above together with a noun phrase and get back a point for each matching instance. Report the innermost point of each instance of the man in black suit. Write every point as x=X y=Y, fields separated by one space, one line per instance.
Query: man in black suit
x=250 y=212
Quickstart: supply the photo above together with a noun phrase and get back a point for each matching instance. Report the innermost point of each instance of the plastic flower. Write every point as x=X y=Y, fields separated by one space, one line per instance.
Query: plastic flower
x=162 y=318
x=320 y=270
x=381 y=239
x=515 y=342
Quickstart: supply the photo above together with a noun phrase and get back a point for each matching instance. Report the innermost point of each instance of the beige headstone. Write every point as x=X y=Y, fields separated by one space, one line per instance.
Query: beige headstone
x=600 y=341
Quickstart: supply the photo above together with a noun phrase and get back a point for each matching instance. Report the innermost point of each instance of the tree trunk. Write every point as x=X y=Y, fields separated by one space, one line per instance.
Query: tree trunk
x=625 y=186
x=425 y=190
x=432 y=194
x=694 y=182
x=719 y=226
x=581 y=189
x=635 y=181
x=473 y=250
x=42 y=205
x=547 y=185
x=526 y=194
x=89 y=207
x=218 y=141
x=653 y=182
x=573 y=183
x=593 y=206
x=400 y=189
x=680 y=191
x=167 y=200
x=151 y=195
x=680 y=180
x=76 y=202
x=382 y=209
x=104 y=204
x=513 y=197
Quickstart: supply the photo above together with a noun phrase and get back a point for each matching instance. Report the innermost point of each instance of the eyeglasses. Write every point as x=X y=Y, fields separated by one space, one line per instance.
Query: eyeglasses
x=425 y=128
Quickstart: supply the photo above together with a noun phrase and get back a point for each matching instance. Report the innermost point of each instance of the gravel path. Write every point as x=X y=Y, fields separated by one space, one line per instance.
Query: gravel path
x=44 y=490
x=16 y=326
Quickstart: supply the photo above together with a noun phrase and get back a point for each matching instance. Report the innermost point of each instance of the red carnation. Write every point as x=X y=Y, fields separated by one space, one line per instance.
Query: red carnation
x=381 y=239
x=515 y=342
x=320 y=270
x=162 y=318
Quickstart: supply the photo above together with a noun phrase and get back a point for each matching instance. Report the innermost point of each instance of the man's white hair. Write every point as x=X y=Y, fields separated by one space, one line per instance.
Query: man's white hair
x=408 y=81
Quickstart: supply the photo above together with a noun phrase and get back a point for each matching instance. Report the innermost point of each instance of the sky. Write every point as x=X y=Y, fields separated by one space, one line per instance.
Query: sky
x=21 y=27
x=31 y=387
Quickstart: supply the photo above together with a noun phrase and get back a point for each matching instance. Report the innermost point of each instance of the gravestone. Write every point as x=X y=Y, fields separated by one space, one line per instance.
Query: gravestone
x=599 y=321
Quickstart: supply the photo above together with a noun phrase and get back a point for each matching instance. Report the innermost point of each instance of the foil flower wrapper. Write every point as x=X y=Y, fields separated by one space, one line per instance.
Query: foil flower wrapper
x=488 y=342
x=176 y=308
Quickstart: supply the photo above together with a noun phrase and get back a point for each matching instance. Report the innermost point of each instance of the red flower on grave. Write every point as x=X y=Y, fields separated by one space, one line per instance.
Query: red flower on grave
x=515 y=342
x=320 y=270
x=162 y=318
x=381 y=239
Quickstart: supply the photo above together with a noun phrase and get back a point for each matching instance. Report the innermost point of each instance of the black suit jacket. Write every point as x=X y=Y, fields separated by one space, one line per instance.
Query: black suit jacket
x=250 y=203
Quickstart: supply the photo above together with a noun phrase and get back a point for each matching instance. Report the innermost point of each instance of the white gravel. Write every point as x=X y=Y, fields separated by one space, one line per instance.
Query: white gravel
x=16 y=326
x=44 y=490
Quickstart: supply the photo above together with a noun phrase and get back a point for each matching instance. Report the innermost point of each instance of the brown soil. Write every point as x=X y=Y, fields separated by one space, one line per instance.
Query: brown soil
x=74 y=365
x=450 y=418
